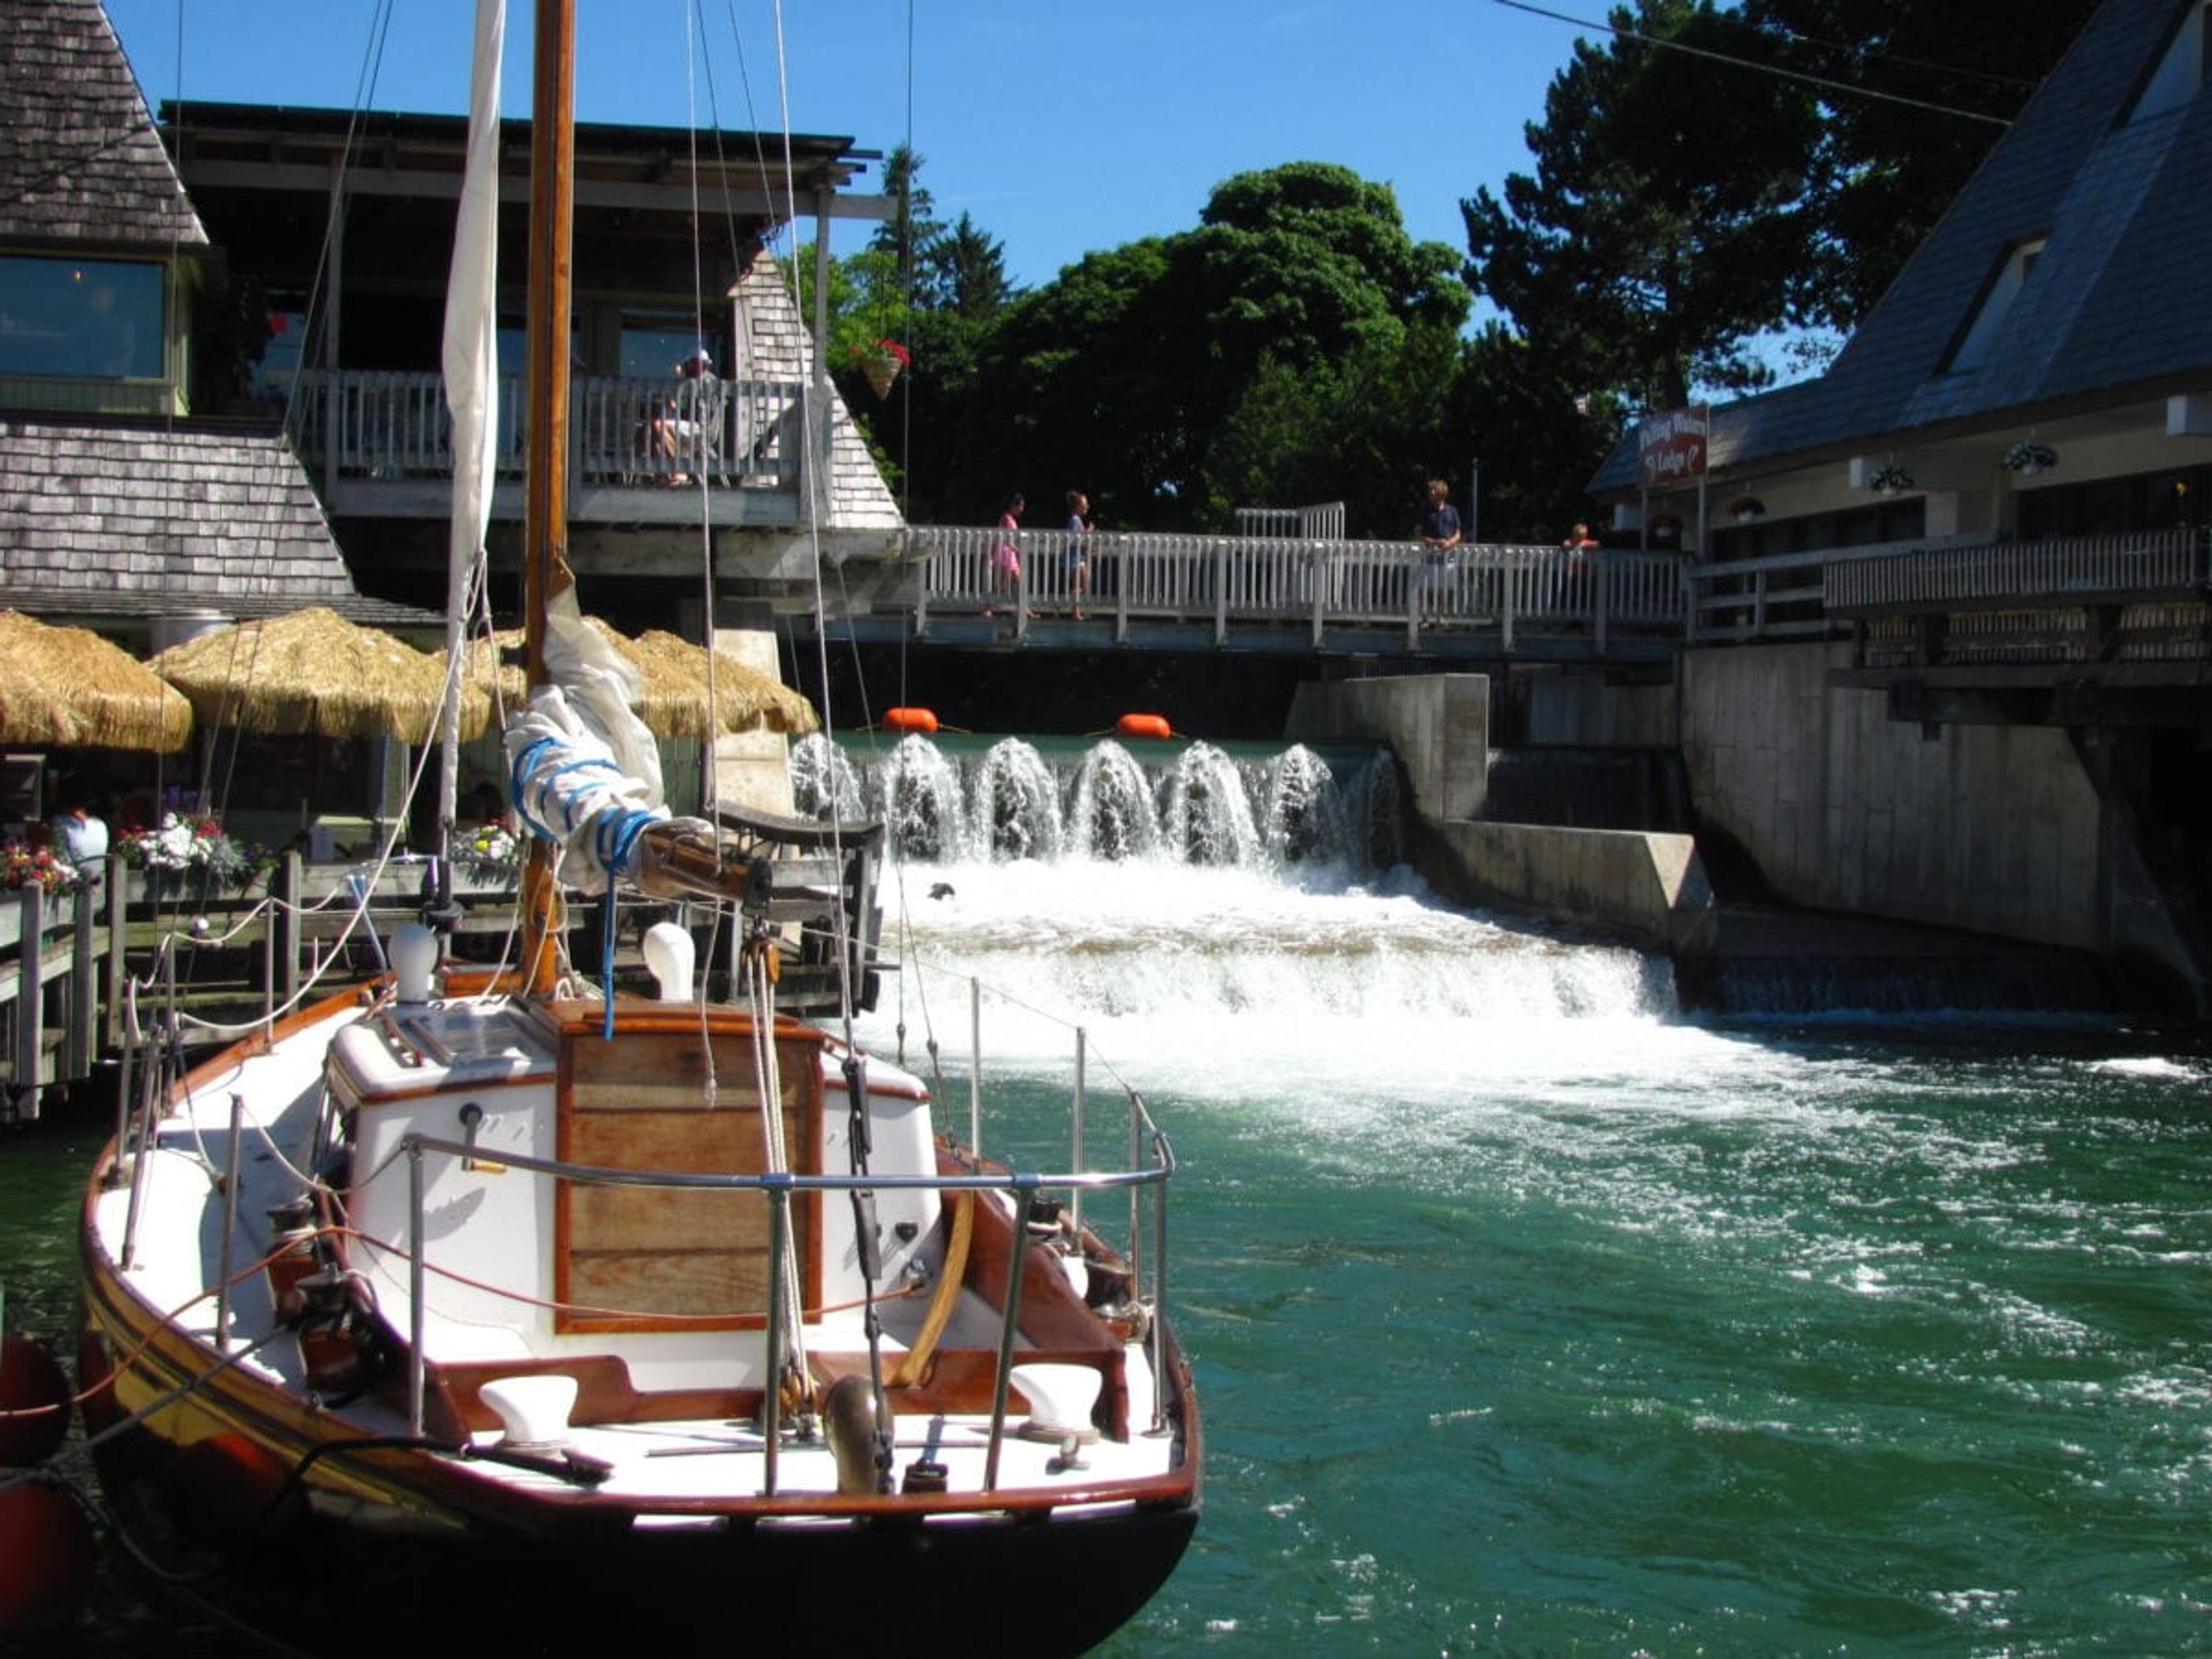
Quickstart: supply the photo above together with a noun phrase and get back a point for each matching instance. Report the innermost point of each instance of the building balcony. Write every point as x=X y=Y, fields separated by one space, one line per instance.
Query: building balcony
x=379 y=445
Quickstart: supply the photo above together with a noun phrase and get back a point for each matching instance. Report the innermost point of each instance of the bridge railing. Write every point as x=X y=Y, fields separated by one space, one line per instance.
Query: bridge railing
x=1227 y=582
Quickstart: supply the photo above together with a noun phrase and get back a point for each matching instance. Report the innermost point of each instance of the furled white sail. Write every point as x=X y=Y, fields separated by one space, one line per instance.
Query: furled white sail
x=583 y=770
x=470 y=361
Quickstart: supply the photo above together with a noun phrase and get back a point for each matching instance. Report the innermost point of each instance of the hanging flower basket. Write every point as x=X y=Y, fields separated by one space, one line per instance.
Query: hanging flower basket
x=1666 y=527
x=1745 y=509
x=1890 y=480
x=2030 y=458
x=880 y=364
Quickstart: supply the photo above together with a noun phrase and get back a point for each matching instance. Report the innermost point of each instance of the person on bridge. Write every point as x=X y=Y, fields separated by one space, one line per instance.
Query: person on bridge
x=1439 y=534
x=1078 y=557
x=1006 y=557
x=1579 y=541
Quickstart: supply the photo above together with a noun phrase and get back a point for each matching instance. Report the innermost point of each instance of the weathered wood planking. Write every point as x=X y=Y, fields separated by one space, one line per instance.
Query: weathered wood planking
x=658 y=1258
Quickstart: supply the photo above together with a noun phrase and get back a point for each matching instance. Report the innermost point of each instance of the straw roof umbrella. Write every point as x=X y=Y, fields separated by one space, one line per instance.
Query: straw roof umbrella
x=673 y=684
x=67 y=687
x=675 y=702
x=313 y=671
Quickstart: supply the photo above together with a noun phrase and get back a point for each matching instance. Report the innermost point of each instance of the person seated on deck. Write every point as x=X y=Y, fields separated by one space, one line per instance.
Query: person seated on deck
x=690 y=422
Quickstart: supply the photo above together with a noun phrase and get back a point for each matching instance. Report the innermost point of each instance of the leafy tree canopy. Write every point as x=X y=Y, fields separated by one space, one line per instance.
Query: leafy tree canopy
x=1666 y=216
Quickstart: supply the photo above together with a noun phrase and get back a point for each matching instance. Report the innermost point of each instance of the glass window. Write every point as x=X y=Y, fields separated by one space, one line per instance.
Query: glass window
x=87 y=319
x=653 y=345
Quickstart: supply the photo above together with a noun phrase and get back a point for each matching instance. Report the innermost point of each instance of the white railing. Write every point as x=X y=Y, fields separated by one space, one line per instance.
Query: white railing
x=2069 y=568
x=1225 y=580
x=1323 y=522
x=393 y=426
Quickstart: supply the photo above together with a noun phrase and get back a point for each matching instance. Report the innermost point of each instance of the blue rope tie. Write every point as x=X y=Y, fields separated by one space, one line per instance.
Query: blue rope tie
x=607 y=959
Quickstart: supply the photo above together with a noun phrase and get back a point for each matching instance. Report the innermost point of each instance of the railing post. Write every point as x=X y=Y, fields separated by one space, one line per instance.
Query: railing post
x=30 y=1002
x=976 y=1068
x=1122 y=561
x=84 y=983
x=779 y=1206
x=1221 y=557
x=1509 y=572
x=1601 y=579
x=228 y=1253
x=115 y=879
x=417 y=1361
x=1319 y=559
x=288 y=918
x=1017 y=1270
x=1075 y=1156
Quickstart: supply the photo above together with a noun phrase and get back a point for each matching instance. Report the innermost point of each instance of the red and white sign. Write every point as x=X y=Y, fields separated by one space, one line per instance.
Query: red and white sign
x=1671 y=448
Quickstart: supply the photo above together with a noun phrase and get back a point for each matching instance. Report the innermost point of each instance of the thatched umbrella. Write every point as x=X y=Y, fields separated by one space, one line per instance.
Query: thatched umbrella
x=745 y=699
x=67 y=687
x=673 y=684
x=312 y=672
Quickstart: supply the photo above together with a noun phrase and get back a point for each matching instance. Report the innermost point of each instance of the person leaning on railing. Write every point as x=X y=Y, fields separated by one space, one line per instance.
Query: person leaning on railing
x=1439 y=534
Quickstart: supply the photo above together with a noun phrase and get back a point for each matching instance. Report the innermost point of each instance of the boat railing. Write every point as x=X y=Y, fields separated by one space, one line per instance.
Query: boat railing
x=778 y=1188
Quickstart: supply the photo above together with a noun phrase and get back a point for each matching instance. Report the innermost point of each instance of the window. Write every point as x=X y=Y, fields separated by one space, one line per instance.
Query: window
x=1997 y=294
x=85 y=318
x=653 y=343
x=2180 y=71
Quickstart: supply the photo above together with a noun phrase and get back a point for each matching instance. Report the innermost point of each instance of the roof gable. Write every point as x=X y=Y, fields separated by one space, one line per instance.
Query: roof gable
x=2126 y=225
x=79 y=160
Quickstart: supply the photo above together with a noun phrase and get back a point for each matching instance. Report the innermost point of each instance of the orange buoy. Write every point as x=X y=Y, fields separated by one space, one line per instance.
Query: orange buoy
x=34 y=1402
x=1144 y=725
x=909 y=719
x=48 y=1554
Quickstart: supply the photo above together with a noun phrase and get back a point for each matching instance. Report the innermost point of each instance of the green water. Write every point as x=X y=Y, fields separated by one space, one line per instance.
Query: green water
x=1753 y=1340
x=1910 y=1357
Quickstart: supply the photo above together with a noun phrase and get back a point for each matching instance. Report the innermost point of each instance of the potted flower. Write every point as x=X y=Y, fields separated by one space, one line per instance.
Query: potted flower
x=1666 y=527
x=880 y=361
x=23 y=865
x=1889 y=479
x=490 y=853
x=1746 y=509
x=182 y=848
x=2030 y=456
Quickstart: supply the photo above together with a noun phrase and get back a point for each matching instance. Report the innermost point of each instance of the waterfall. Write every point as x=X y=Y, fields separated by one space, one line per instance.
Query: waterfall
x=948 y=798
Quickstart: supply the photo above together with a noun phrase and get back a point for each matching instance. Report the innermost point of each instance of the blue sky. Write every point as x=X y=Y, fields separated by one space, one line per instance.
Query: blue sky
x=1062 y=125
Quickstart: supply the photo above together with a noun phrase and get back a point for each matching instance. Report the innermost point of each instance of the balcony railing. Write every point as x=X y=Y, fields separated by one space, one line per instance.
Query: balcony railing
x=389 y=427
x=2062 y=569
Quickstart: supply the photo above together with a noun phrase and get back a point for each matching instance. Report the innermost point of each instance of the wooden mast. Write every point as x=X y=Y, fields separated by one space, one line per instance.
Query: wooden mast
x=545 y=573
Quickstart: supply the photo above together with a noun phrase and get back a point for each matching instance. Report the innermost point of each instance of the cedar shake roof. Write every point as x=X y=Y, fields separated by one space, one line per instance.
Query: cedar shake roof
x=148 y=519
x=2113 y=306
x=771 y=330
x=80 y=161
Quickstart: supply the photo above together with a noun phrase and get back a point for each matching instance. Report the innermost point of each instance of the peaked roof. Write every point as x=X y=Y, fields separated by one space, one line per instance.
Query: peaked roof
x=79 y=158
x=774 y=334
x=149 y=520
x=2113 y=301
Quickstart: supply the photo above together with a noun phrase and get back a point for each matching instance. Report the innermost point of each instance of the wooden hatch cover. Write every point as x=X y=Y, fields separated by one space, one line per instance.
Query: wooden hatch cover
x=660 y=1258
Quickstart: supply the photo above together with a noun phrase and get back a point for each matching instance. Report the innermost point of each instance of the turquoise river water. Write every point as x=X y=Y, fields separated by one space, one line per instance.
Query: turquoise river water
x=1531 y=1317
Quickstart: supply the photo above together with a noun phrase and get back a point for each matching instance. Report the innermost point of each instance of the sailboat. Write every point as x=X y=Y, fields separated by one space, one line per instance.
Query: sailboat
x=475 y=1305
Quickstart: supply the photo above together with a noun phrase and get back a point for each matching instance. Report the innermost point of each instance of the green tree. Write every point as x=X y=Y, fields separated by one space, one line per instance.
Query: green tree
x=1666 y=221
x=1885 y=170
x=1150 y=374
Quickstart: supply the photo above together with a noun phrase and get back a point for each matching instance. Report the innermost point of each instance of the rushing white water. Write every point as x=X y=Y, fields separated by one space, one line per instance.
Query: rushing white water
x=1232 y=927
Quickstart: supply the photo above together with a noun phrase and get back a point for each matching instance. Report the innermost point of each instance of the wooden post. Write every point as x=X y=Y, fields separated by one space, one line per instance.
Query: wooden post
x=84 y=988
x=287 y=919
x=30 y=1003
x=115 y=876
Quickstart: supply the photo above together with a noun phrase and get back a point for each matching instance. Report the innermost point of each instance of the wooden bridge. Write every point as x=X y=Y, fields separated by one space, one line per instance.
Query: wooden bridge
x=1291 y=594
